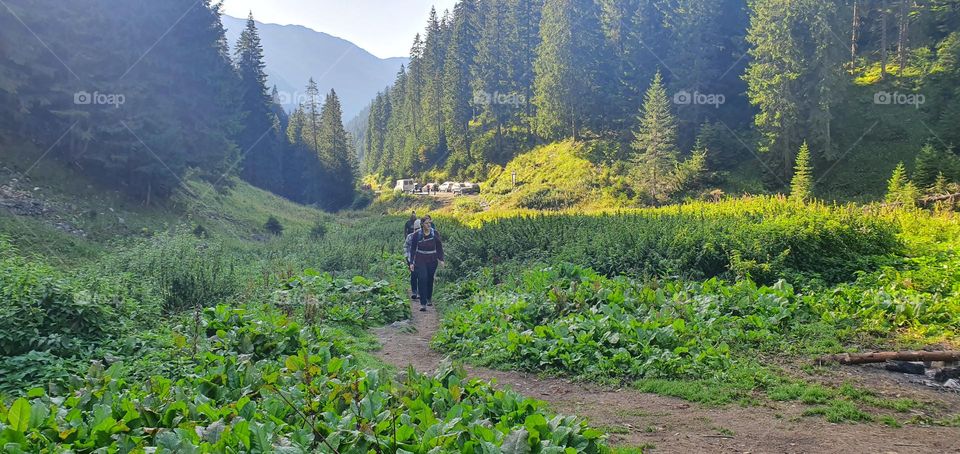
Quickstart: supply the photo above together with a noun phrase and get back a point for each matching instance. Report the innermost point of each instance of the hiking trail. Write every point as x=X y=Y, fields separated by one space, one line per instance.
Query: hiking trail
x=669 y=424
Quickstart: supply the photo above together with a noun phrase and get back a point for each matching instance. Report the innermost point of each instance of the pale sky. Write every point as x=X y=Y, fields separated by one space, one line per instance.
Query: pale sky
x=385 y=28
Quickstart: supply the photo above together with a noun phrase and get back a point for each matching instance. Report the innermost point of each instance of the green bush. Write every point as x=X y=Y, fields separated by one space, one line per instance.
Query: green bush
x=47 y=311
x=184 y=271
x=571 y=320
x=360 y=301
x=273 y=226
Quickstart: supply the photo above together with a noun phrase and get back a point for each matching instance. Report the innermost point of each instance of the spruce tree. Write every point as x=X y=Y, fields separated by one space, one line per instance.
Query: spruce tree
x=801 y=186
x=654 y=144
x=458 y=95
x=336 y=155
x=793 y=79
x=491 y=71
x=569 y=68
x=258 y=140
x=900 y=190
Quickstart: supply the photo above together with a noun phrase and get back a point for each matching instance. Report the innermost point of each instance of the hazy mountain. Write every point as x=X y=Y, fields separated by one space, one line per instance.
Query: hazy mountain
x=294 y=54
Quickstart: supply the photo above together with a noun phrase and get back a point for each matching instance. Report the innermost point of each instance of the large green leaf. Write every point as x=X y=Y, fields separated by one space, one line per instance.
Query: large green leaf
x=19 y=415
x=516 y=443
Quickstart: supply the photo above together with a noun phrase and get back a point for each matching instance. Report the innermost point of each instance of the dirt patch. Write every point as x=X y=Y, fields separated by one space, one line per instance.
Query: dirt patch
x=673 y=425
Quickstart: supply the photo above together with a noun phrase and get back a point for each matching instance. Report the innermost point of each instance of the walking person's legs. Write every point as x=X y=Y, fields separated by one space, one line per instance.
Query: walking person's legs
x=423 y=285
x=414 y=278
x=431 y=274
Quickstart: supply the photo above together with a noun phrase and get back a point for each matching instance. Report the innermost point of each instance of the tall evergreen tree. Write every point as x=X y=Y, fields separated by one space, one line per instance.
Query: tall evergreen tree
x=900 y=190
x=336 y=156
x=259 y=138
x=457 y=111
x=569 y=68
x=654 y=145
x=434 y=54
x=793 y=78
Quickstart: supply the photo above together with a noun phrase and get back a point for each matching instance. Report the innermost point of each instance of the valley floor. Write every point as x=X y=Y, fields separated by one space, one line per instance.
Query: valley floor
x=665 y=424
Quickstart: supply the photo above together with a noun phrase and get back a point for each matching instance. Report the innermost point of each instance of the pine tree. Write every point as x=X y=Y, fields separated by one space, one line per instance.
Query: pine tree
x=928 y=165
x=940 y=185
x=311 y=112
x=258 y=139
x=457 y=111
x=631 y=28
x=523 y=21
x=336 y=155
x=569 y=68
x=690 y=172
x=793 y=79
x=801 y=186
x=491 y=70
x=654 y=144
x=434 y=55
x=900 y=190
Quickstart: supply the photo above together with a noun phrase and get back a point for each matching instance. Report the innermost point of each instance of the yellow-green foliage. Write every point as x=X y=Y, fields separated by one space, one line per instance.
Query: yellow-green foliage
x=766 y=238
x=554 y=177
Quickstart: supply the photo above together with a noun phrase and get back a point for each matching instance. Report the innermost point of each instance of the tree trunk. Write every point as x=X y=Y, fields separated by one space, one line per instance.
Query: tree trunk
x=883 y=40
x=855 y=34
x=903 y=38
x=881 y=357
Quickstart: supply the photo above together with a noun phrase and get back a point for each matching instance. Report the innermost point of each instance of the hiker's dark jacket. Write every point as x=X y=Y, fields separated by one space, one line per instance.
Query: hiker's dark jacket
x=424 y=248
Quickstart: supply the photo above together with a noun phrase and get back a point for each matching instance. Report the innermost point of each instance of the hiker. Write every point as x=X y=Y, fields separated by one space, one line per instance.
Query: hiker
x=408 y=228
x=407 y=246
x=426 y=255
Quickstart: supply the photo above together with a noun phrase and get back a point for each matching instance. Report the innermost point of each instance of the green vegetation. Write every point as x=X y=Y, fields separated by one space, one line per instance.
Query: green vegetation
x=700 y=340
x=556 y=177
x=748 y=82
x=762 y=238
x=266 y=383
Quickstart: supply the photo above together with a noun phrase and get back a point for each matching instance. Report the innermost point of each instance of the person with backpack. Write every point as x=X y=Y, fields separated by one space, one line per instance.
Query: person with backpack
x=408 y=228
x=425 y=256
x=407 y=244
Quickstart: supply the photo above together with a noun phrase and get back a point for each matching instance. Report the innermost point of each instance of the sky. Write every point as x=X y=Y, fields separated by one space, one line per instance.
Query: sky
x=384 y=28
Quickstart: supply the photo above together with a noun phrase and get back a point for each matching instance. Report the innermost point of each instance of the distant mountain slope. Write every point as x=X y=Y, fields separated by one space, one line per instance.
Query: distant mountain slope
x=294 y=54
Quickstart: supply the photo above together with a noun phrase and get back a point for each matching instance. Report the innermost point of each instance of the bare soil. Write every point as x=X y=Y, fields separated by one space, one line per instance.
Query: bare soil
x=672 y=425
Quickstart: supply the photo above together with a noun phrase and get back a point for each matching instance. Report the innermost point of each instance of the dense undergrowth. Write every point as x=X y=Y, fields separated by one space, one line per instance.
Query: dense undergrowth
x=262 y=383
x=764 y=239
x=573 y=321
x=112 y=305
x=667 y=320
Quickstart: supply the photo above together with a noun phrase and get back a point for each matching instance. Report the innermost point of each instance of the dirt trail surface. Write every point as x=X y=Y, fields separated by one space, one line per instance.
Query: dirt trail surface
x=674 y=425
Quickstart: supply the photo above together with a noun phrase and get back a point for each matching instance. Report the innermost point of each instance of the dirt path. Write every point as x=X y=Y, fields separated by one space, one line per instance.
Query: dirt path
x=673 y=425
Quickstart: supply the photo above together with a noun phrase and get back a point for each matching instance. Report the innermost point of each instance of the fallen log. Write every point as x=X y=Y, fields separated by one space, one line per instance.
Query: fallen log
x=939 y=198
x=882 y=357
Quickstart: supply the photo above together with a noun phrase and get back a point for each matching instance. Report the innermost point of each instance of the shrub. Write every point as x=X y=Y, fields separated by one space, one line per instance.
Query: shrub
x=318 y=231
x=360 y=301
x=183 y=271
x=268 y=384
x=273 y=226
x=570 y=320
x=200 y=231
x=47 y=311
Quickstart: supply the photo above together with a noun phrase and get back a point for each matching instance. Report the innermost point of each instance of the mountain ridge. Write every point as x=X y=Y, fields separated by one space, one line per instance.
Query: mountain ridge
x=295 y=53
